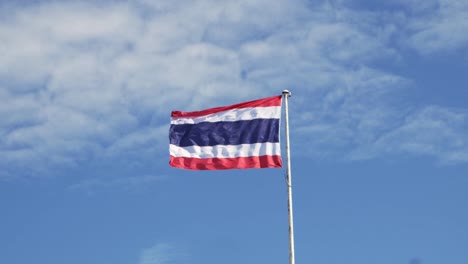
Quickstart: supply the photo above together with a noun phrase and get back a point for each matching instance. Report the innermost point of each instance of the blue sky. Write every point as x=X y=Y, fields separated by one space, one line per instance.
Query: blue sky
x=379 y=131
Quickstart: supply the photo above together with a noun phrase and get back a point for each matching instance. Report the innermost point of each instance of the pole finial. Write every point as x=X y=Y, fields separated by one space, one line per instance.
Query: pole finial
x=287 y=92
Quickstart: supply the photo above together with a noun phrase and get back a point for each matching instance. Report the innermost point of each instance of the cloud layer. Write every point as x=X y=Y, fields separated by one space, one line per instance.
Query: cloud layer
x=86 y=80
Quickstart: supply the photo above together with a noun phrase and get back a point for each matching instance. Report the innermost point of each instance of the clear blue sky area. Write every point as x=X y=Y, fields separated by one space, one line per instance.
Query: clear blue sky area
x=378 y=117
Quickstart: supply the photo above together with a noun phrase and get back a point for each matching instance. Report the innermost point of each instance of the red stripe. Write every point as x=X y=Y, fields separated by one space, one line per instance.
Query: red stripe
x=226 y=163
x=269 y=101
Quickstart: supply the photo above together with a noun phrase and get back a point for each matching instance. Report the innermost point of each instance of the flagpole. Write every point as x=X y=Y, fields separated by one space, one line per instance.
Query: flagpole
x=286 y=95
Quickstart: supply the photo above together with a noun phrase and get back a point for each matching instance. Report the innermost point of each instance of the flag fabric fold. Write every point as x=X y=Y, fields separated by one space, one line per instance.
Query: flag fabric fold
x=240 y=136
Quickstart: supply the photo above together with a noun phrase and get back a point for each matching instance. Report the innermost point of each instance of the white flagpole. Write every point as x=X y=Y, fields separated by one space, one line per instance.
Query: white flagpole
x=286 y=95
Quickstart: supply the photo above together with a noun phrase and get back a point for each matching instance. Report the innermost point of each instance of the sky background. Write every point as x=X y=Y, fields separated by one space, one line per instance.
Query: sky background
x=378 y=117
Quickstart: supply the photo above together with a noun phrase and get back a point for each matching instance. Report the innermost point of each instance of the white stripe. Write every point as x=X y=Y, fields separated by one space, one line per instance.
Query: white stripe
x=232 y=115
x=226 y=151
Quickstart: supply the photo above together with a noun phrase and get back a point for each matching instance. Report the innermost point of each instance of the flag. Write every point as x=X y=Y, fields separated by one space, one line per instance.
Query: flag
x=240 y=136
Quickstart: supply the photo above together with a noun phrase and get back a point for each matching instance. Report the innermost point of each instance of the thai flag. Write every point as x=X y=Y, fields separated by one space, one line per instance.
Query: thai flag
x=240 y=136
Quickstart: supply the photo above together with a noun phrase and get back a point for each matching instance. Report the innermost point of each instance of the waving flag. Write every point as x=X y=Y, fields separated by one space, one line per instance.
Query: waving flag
x=240 y=136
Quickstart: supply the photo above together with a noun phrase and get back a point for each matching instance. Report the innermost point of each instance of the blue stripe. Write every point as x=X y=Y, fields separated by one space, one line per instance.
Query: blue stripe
x=225 y=133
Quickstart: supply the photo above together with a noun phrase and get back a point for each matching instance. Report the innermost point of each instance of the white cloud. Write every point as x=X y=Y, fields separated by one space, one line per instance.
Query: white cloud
x=357 y=112
x=440 y=30
x=433 y=131
x=160 y=253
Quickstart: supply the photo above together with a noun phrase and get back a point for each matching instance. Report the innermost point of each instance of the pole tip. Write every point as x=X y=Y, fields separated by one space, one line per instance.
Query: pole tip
x=287 y=92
